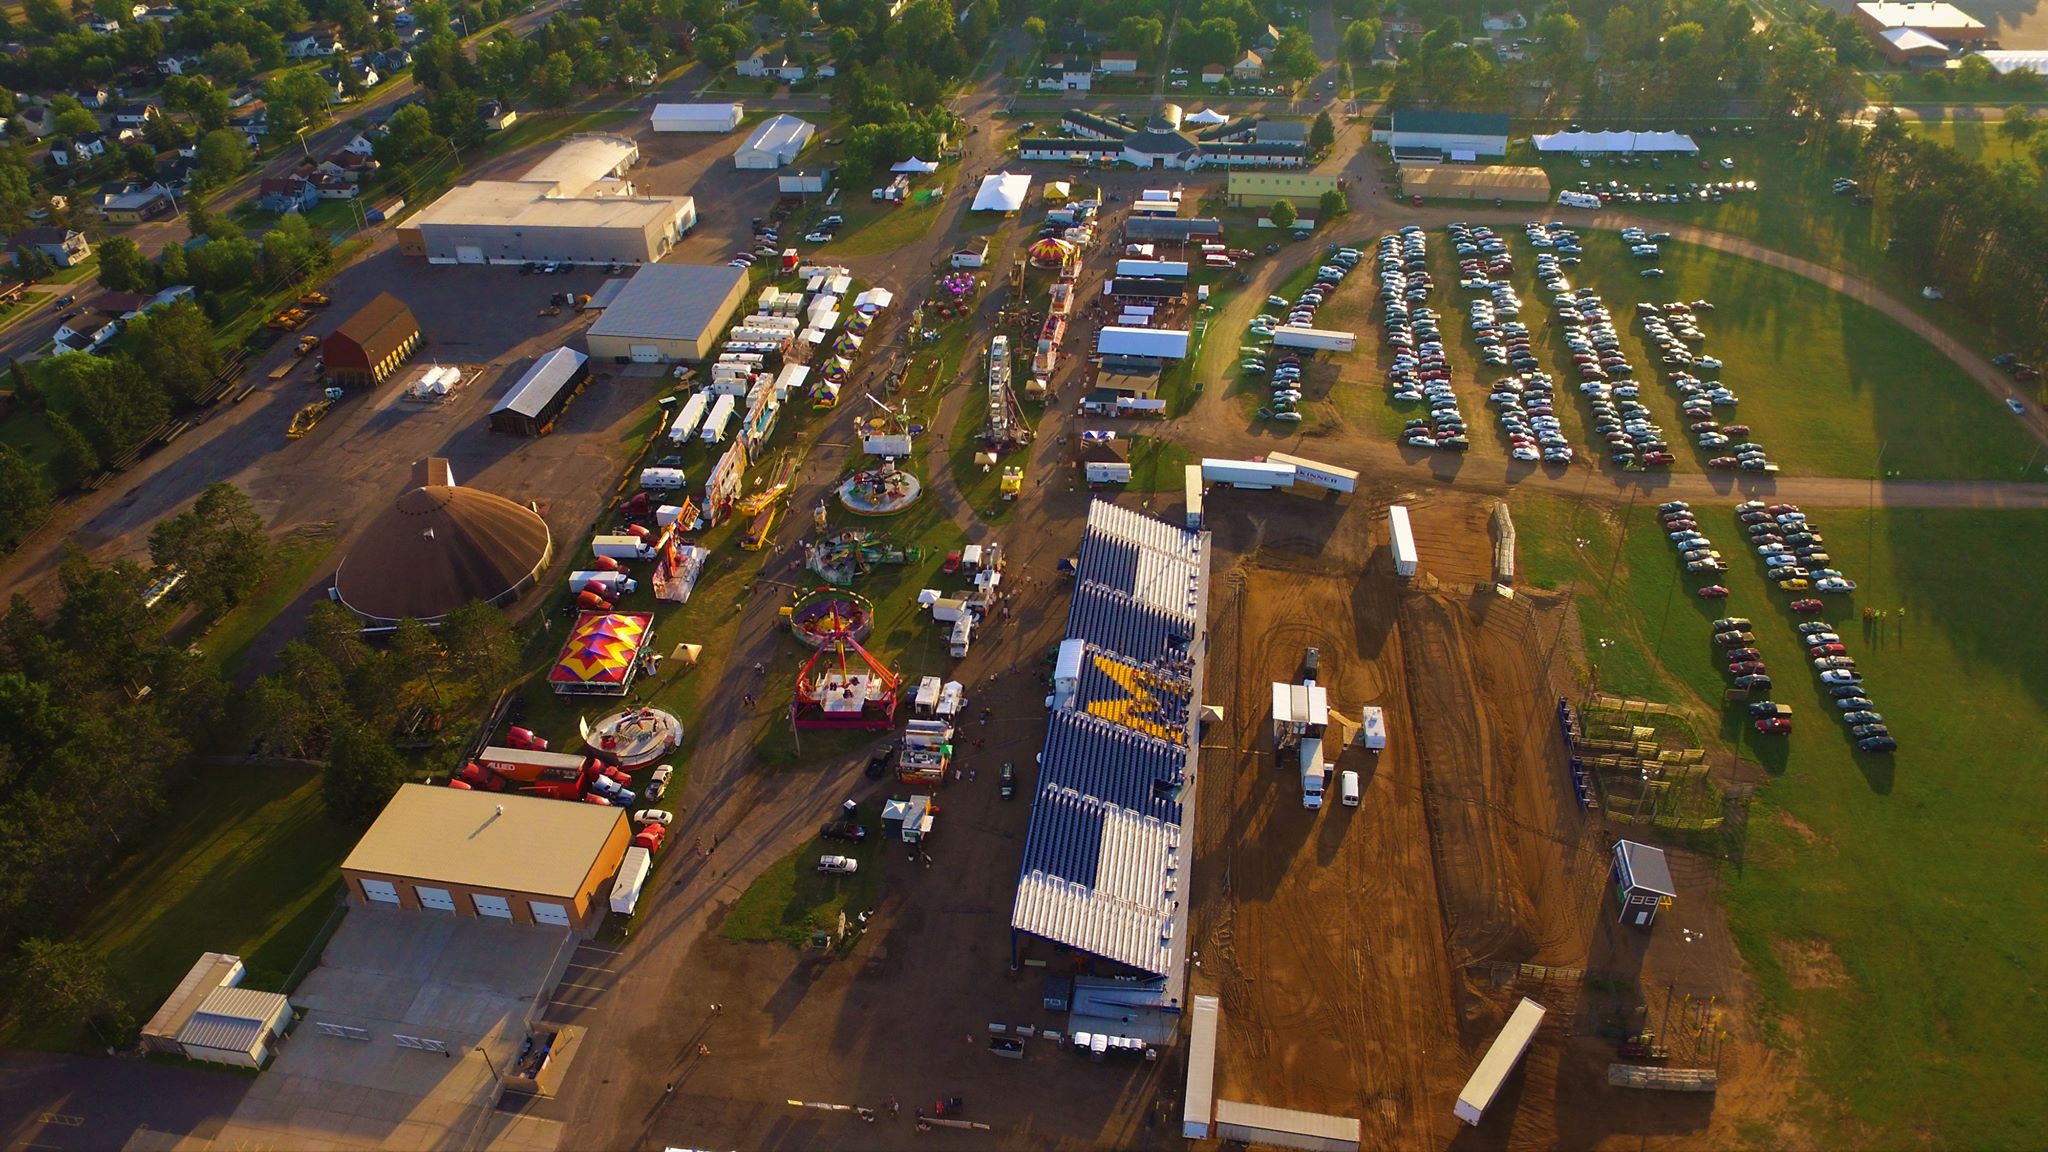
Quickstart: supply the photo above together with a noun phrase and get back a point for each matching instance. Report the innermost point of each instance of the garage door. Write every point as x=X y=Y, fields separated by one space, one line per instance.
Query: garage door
x=549 y=913
x=465 y=254
x=496 y=906
x=645 y=354
x=439 y=899
x=381 y=891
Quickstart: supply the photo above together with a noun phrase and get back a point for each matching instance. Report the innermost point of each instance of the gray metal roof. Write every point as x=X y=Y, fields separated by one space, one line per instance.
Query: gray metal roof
x=1444 y=123
x=232 y=1019
x=549 y=375
x=1282 y=132
x=1170 y=227
x=1154 y=142
x=1647 y=868
x=669 y=302
x=1271 y=1119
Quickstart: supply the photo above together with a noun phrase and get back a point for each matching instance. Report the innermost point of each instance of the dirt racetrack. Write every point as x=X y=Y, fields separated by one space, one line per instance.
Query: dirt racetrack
x=1367 y=956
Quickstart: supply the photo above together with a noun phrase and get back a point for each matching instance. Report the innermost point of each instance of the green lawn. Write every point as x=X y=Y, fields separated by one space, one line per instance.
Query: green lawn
x=873 y=228
x=243 y=861
x=298 y=558
x=792 y=898
x=1885 y=859
x=1827 y=384
x=1158 y=465
x=1976 y=139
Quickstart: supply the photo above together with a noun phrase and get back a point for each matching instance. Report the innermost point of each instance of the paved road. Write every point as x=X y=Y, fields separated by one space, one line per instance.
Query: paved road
x=94 y=1104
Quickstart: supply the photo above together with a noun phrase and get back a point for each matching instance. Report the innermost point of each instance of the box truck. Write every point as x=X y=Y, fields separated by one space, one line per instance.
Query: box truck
x=615 y=583
x=622 y=548
x=1247 y=473
x=1374 y=734
x=1314 y=772
x=1401 y=540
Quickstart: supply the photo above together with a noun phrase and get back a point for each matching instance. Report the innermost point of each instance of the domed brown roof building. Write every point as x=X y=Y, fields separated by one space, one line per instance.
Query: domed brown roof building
x=438 y=547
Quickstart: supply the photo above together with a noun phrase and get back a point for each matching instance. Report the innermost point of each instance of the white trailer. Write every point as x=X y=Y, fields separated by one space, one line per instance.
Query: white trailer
x=660 y=479
x=1247 y=473
x=632 y=879
x=1374 y=734
x=1196 y=518
x=1319 y=339
x=1401 y=541
x=615 y=583
x=697 y=117
x=974 y=255
x=715 y=425
x=1315 y=472
x=962 y=635
x=622 y=548
x=1164 y=269
x=688 y=419
x=1500 y=1059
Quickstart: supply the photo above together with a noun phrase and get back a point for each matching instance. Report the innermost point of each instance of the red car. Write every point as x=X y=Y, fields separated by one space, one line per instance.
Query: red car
x=1723 y=462
x=1826 y=650
x=1782 y=509
x=1713 y=592
x=1743 y=654
x=1774 y=726
x=1747 y=668
x=1809 y=606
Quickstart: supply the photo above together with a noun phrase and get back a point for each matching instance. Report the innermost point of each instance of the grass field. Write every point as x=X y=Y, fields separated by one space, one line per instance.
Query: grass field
x=873 y=228
x=298 y=558
x=1921 y=1001
x=792 y=898
x=1830 y=386
x=243 y=861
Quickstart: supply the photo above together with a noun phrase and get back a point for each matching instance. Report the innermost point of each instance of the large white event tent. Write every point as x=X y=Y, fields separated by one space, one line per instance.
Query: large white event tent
x=1002 y=192
x=914 y=165
x=2008 y=60
x=1205 y=116
x=1612 y=142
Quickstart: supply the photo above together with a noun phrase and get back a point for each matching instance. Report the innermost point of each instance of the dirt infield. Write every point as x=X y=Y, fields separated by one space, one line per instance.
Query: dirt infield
x=1366 y=957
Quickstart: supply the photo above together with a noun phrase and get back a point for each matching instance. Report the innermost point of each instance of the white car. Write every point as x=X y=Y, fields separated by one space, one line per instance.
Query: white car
x=658 y=783
x=654 y=816
x=838 y=865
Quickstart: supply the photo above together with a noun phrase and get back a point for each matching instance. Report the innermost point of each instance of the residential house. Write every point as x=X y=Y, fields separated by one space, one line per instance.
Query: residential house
x=89 y=331
x=347 y=165
x=79 y=150
x=361 y=145
x=1250 y=66
x=160 y=14
x=281 y=194
x=1213 y=73
x=100 y=25
x=135 y=115
x=63 y=246
x=1508 y=21
x=133 y=201
x=1268 y=40
x=328 y=186
x=39 y=119
x=1118 y=62
x=176 y=174
x=389 y=62
x=179 y=64
x=242 y=97
x=760 y=63
x=93 y=97
x=310 y=45
x=1065 y=76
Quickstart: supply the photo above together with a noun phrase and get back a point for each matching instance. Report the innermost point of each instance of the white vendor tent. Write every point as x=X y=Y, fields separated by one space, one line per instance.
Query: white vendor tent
x=1205 y=116
x=1614 y=142
x=1002 y=192
x=914 y=165
x=2008 y=60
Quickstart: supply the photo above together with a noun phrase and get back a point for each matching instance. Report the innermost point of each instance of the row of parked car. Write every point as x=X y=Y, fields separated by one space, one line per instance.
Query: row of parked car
x=1793 y=554
x=1673 y=332
x=1632 y=438
x=1301 y=311
x=1525 y=402
x=1418 y=371
x=1696 y=192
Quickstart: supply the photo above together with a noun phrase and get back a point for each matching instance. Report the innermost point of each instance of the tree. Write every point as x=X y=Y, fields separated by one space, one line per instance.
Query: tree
x=792 y=16
x=282 y=718
x=1334 y=204
x=1140 y=34
x=77 y=122
x=171 y=267
x=1361 y=39
x=1282 y=213
x=335 y=633
x=2018 y=124
x=408 y=135
x=221 y=544
x=59 y=981
x=1322 y=134
x=554 y=83
x=47 y=17
x=293 y=250
x=719 y=45
x=175 y=347
x=479 y=643
x=23 y=496
x=223 y=155
x=75 y=461
x=1295 y=56
x=229 y=63
x=1034 y=27
x=363 y=773
x=123 y=265
x=109 y=399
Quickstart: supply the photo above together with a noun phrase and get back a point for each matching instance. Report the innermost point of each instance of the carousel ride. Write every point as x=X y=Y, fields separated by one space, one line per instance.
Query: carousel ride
x=635 y=737
x=842 y=685
x=843 y=557
x=880 y=491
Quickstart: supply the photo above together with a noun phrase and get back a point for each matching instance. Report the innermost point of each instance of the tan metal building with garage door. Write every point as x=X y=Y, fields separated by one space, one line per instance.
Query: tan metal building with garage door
x=490 y=854
x=668 y=312
x=1490 y=182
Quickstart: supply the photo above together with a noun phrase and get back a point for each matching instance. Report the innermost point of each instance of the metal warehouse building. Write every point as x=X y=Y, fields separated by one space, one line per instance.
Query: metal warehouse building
x=697 y=117
x=490 y=854
x=1264 y=189
x=777 y=141
x=669 y=312
x=533 y=401
x=1109 y=849
x=211 y=1017
x=575 y=207
x=1451 y=135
